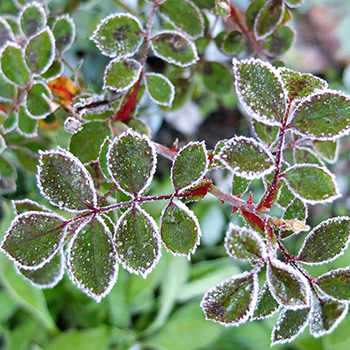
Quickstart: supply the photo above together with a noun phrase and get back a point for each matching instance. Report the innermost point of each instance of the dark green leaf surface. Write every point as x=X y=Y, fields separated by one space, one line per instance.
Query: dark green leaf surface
x=24 y=205
x=252 y=12
x=132 y=162
x=306 y=155
x=265 y=133
x=34 y=238
x=189 y=166
x=8 y=91
x=324 y=116
x=54 y=71
x=160 y=88
x=239 y=185
x=32 y=19
x=311 y=183
x=180 y=229
x=280 y=41
x=326 y=241
x=233 y=43
x=328 y=150
x=137 y=241
x=232 y=301
x=286 y=196
x=64 y=32
x=92 y=259
x=266 y=305
x=38 y=106
x=26 y=124
x=178 y=13
x=246 y=157
x=8 y=176
x=260 y=89
x=65 y=182
x=217 y=78
x=119 y=35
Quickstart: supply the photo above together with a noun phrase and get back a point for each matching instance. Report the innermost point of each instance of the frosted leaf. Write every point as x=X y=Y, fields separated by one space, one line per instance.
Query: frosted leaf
x=217 y=77
x=92 y=259
x=239 y=185
x=64 y=32
x=37 y=101
x=327 y=150
x=180 y=230
x=260 y=89
x=2 y=143
x=294 y=3
x=48 y=275
x=311 y=183
x=65 y=182
x=326 y=242
x=27 y=126
x=189 y=166
x=304 y=155
x=289 y=325
x=287 y=285
x=8 y=176
x=34 y=238
x=103 y=157
x=72 y=125
x=8 y=92
x=32 y=19
x=232 y=301
x=285 y=196
x=24 y=205
x=137 y=241
x=160 y=89
x=244 y=243
x=265 y=133
x=246 y=157
x=132 y=162
x=266 y=304
x=6 y=33
x=326 y=315
x=118 y=35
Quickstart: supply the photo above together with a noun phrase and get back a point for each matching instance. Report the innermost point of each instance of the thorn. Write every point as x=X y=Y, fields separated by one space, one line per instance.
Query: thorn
x=222 y=202
x=175 y=145
x=250 y=200
x=234 y=210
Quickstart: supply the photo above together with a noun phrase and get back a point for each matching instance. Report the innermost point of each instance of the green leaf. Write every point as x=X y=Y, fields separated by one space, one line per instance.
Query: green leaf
x=64 y=32
x=300 y=85
x=6 y=33
x=86 y=143
x=8 y=91
x=103 y=157
x=180 y=229
x=253 y=11
x=289 y=325
x=160 y=89
x=232 y=301
x=280 y=41
x=13 y=66
x=266 y=305
x=269 y=17
x=326 y=315
x=328 y=150
x=37 y=105
x=260 y=89
x=326 y=241
x=132 y=162
x=8 y=176
x=287 y=285
x=65 y=182
x=286 y=196
x=121 y=74
x=239 y=185
x=137 y=241
x=232 y=43
x=32 y=19
x=322 y=115
x=92 y=259
x=265 y=133
x=311 y=183
x=294 y=3
x=34 y=238
x=246 y=157
x=48 y=275
x=178 y=14
x=26 y=124
x=304 y=155
x=54 y=71
x=24 y=205
x=119 y=35
x=217 y=78
x=336 y=283
x=189 y=166
x=246 y=244
x=174 y=48
x=39 y=52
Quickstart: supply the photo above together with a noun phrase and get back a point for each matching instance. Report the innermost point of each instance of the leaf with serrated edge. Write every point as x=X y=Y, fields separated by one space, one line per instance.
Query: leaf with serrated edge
x=278 y=275
x=178 y=46
x=232 y=301
x=258 y=162
x=6 y=32
x=65 y=41
x=32 y=249
x=244 y=243
x=102 y=158
x=266 y=304
x=137 y=241
x=48 y=275
x=260 y=89
x=323 y=116
x=326 y=315
x=120 y=163
x=326 y=242
x=92 y=259
x=289 y=325
x=40 y=14
x=36 y=105
x=24 y=205
x=178 y=233
x=155 y=90
x=189 y=166
x=69 y=186
x=318 y=188
x=336 y=283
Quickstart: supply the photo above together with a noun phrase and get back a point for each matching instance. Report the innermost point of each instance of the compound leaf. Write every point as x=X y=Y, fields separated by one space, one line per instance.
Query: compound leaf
x=246 y=157
x=232 y=301
x=65 y=182
x=92 y=259
x=260 y=89
x=180 y=229
x=174 y=48
x=32 y=19
x=131 y=162
x=160 y=89
x=137 y=241
x=266 y=304
x=119 y=35
x=64 y=32
x=36 y=104
x=34 y=238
